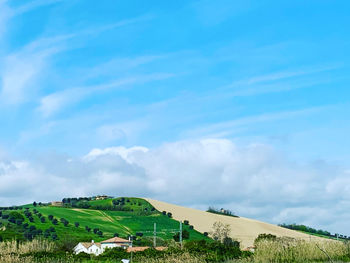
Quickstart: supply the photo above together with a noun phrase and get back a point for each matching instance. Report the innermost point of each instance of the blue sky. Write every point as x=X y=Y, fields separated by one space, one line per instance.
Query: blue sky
x=81 y=75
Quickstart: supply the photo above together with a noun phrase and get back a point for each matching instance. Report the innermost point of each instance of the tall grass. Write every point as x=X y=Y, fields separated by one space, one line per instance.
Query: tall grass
x=288 y=250
x=14 y=247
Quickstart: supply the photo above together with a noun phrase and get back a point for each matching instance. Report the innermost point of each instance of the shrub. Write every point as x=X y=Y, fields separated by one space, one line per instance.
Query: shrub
x=264 y=237
x=185 y=235
x=139 y=234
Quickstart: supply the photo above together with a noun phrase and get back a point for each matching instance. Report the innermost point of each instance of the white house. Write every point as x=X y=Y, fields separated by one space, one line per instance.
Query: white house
x=116 y=242
x=99 y=248
x=89 y=248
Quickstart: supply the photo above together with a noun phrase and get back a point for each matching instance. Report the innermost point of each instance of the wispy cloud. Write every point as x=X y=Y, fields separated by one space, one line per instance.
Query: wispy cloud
x=281 y=75
x=229 y=128
x=54 y=102
x=34 y=5
x=23 y=68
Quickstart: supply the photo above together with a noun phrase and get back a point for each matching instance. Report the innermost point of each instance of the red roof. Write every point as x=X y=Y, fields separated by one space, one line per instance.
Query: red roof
x=116 y=240
x=137 y=249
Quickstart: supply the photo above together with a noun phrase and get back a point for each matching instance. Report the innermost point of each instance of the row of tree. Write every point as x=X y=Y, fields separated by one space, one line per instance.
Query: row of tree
x=313 y=230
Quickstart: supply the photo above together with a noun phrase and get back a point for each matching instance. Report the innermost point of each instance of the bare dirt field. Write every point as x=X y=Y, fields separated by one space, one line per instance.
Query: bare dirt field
x=243 y=229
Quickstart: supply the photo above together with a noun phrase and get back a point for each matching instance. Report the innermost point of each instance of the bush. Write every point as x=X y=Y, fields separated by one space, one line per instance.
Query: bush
x=185 y=235
x=265 y=237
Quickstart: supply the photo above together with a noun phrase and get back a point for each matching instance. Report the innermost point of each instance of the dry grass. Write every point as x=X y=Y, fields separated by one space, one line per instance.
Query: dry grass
x=13 y=247
x=298 y=251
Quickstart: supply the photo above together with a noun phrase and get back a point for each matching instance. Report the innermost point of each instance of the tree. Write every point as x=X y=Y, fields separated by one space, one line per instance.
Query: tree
x=116 y=235
x=220 y=231
x=42 y=219
x=76 y=224
x=34 y=204
x=54 y=221
x=170 y=215
x=96 y=230
x=50 y=217
x=185 y=235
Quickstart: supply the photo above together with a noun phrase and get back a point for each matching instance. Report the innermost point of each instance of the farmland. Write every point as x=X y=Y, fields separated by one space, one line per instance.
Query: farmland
x=110 y=223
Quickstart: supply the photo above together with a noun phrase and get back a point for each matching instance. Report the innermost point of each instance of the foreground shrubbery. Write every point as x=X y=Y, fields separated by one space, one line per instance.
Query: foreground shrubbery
x=46 y=251
x=268 y=250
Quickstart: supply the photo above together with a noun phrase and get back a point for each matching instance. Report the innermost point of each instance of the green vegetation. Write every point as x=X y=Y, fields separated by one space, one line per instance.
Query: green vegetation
x=136 y=218
x=221 y=211
x=315 y=232
x=48 y=251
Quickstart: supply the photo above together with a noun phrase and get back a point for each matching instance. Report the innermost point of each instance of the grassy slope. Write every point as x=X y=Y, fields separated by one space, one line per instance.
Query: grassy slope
x=109 y=222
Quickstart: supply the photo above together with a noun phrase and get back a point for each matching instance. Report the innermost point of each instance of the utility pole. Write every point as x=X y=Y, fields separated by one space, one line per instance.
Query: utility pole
x=155 y=235
x=180 y=234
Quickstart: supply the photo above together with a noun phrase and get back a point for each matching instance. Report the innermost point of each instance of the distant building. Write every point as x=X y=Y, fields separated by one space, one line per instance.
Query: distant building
x=101 y=197
x=88 y=248
x=56 y=203
x=98 y=248
x=116 y=242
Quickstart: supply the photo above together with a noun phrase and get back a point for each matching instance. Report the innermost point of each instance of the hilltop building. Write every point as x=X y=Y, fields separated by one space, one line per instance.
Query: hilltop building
x=56 y=203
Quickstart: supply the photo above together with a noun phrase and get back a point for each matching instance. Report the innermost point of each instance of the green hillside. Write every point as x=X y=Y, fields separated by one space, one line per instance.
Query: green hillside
x=121 y=216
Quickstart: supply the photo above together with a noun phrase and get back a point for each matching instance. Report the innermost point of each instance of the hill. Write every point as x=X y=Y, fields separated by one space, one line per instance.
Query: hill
x=102 y=219
x=245 y=230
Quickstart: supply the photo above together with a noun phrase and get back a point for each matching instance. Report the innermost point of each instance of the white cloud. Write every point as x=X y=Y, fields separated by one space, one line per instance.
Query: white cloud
x=253 y=180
